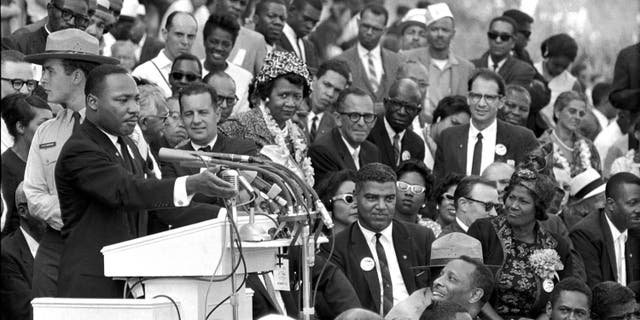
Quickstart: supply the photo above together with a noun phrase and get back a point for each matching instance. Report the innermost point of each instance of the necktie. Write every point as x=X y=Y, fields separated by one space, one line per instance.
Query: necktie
x=495 y=67
x=621 y=263
x=373 y=77
x=356 y=158
x=138 y=220
x=396 y=148
x=387 y=286
x=126 y=156
x=314 y=128
x=477 y=156
x=76 y=121
x=205 y=149
x=300 y=45
x=272 y=292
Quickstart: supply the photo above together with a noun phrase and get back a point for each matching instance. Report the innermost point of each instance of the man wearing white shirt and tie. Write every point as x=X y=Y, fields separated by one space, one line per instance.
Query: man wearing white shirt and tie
x=302 y=17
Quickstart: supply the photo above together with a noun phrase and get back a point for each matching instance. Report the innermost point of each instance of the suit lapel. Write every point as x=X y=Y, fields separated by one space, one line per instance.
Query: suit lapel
x=102 y=140
x=384 y=145
x=461 y=143
x=187 y=146
x=254 y=281
x=403 y=247
x=608 y=242
x=362 y=72
x=343 y=151
x=360 y=250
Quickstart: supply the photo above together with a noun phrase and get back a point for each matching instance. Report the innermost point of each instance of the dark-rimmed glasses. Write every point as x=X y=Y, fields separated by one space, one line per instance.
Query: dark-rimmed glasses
x=490 y=99
x=495 y=35
x=355 y=116
x=18 y=83
x=346 y=197
x=231 y=101
x=178 y=76
x=399 y=104
x=487 y=205
x=413 y=188
x=80 y=20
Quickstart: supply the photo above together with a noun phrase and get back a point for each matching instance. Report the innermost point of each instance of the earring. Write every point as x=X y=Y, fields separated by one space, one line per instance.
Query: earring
x=266 y=100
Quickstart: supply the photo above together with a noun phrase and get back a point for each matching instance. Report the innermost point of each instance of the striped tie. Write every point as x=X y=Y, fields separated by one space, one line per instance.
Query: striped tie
x=373 y=78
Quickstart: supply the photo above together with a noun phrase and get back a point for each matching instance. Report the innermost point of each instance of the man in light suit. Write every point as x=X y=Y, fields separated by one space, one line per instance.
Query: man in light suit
x=376 y=252
x=373 y=67
x=448 y=72
x=346 y=147
x=105 y=187
x=469 y=149
x=302 y=17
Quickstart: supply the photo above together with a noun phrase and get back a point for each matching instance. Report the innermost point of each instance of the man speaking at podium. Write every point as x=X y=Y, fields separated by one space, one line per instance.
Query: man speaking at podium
x=105 y=188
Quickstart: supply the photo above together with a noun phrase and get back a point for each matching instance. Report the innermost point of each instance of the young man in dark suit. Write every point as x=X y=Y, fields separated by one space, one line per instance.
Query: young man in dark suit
x=390 y=133
x=105 y=188
x=302 y=17
x=376 y=252
x=346 y=147
x=602 y=238
x=469 y=149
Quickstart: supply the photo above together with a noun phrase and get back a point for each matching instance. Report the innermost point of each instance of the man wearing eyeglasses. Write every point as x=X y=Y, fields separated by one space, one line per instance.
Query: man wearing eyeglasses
x=523 y=32
x=226 y=89
x=346 y=145
x=469 y=149
x=475 y=198
x=390 y=133
x=62 y=14
x=186 y=69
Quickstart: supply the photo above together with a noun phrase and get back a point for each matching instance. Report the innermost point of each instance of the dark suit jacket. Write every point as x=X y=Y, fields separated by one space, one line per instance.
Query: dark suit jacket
x=592 y=239
x=327 y=123
x=412 y=244
x=513 y=71
x=262 y=302
x=329 y=154
x=410 y=143
x=26 y=41
x=625 y=90
x=102 y=203
x=310 y=52
x=16 y=271
x=452 y=227
x=451 y=155
x=391 y=62
x=150 y=49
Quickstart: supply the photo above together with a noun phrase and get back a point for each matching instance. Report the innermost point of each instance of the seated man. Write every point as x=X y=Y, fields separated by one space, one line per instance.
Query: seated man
x=469 y=194
x=612 y=300
x=571 y=295
x=226 y=89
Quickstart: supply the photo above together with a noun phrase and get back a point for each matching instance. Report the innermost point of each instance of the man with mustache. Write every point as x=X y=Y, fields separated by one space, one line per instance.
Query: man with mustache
x=179 y=32
x=376 y=252
x=390 y=134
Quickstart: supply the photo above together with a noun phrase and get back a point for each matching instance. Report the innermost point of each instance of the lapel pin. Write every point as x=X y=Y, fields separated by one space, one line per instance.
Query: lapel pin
x=404 y=256
x=367 y=264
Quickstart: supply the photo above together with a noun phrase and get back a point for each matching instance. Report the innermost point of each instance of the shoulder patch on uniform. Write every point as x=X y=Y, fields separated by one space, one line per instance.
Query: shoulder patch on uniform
x=47 y=145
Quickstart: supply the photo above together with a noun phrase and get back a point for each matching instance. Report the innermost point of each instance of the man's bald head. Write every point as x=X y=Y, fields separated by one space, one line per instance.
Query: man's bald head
x=417 y=72
x=405 y=89
x=500 y=173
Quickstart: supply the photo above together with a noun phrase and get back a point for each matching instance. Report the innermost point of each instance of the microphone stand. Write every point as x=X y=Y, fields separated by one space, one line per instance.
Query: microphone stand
x=233 y=215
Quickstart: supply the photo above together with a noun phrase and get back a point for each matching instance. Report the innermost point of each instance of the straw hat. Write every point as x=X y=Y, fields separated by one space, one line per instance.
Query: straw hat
x=587 y=184
x=72 y=44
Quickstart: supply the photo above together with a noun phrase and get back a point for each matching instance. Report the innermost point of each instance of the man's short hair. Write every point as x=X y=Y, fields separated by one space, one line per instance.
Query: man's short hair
x=11 y=56
x=218 y=73
x=224 y=21
x=408 y=65
x=442 y=310
x=506 y=19
x=338 y=66
x=420 y=168
x=617 y=180
x=346 y=93
x=16 y=108
x=466 y=185
x=187 y=56
x=449 y=106
x=172 y=16
x=571 y=284
x=488 y=75
x=199 y=88
x=377 y=10
x=299 y=4
x=70 y=66
x=518 y=16
x=607 y=295
x=600 y=92
x=261 y=6
x=481 y=278
x=374 y=172
x=518 y=89
x=95 y=79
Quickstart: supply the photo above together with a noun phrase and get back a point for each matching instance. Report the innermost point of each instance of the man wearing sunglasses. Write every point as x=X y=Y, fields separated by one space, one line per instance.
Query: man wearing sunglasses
x=345 y=146
x=186 y=69
x=523 y=32
x=61 y=14
x=475 y=198
x=390 y=133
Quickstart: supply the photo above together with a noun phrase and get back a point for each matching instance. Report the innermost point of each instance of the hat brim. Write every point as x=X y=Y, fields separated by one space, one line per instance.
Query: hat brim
x=406 y=24
x=40 y=58
x=600 y=189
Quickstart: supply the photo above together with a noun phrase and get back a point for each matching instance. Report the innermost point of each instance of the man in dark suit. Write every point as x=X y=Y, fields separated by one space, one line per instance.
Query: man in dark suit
x=602 y=238
x=469 y=149
x=522 y=34
x=16 y=262
x=332 y=77
x=390 y=133
x=376 y=252
x=62 y=14
x=302 y=17
x=471 y=198
x=373 y=67
x=104 y=191
x=346 y=147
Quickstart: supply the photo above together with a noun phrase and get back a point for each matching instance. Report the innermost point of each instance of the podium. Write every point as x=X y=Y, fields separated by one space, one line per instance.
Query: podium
x=182 y=263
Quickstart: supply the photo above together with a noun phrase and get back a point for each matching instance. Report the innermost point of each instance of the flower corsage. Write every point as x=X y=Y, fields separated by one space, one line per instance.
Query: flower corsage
x=546 y=264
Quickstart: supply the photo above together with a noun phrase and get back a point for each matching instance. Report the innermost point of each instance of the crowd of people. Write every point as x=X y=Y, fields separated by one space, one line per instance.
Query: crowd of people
x=489 y=186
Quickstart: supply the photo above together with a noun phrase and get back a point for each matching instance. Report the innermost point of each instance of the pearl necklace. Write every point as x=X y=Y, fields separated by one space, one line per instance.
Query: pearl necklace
x=560 y=141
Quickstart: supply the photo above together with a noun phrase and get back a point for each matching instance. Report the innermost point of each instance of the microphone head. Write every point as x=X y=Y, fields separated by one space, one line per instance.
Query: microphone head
x=230 y=176
x=249 y=175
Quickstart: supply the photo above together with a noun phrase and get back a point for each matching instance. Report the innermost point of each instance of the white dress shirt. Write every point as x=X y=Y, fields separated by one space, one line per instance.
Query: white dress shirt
x=488 y=145
x=6 y=137
x=602 y=119
x=399 y=288
x=296 y=43
x=500 y=63
x=31 y=242
x=377 y=61
x=157 y=71
x=354 y=152
x=310 y=116
x=619 y=241
x=462 y=225
x=606 y=138
x=242 y=79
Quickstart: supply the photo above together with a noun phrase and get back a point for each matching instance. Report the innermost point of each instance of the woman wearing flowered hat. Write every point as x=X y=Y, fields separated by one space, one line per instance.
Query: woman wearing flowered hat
x=530 y=259
x=278 y=90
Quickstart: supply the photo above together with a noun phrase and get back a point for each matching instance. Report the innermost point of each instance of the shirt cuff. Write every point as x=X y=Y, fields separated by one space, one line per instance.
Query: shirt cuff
x=180 y=196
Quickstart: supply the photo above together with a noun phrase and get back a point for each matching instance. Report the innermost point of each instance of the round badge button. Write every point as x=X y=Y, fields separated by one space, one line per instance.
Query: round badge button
x=367 y=264
x=547 y=285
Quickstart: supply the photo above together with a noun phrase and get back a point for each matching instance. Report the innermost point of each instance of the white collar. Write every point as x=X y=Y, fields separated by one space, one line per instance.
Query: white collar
x=362 y=52
x=290 y=34
x=46 y=29
x=490 y=62
x=351 y=149
x=615 y=233
x=210 y=144
x=390 y=132
x=162 y=60
x=112 y=138
x=491 y=129
x=31 y=242
x=313 y=114
x=370 y=236
x=462 y=225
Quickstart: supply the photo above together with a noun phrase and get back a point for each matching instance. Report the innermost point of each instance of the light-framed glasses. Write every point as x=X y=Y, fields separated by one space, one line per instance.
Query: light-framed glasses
x=490 y=99
x=412 y=188
x=172 y=115
x=346 y=197
x=231 y=101
x=355 y=116
x=18 y=83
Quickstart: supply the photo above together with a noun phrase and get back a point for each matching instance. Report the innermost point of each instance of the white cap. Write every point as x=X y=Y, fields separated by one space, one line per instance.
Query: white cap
x=587 y=184
x=438 y=11
x=142 y=10
x=417 y=15
x=130 y=8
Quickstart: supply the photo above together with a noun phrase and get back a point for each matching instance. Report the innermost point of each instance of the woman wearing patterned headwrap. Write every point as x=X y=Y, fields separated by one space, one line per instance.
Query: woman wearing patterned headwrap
x=278 y=90
x=513 y=237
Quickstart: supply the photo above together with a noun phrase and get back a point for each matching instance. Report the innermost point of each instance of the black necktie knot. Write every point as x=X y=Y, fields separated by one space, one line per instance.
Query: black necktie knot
x=205 y=149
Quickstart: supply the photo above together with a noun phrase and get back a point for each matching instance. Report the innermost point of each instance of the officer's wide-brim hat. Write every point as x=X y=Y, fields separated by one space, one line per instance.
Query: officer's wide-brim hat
x=451 y=246
x=71 y=44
